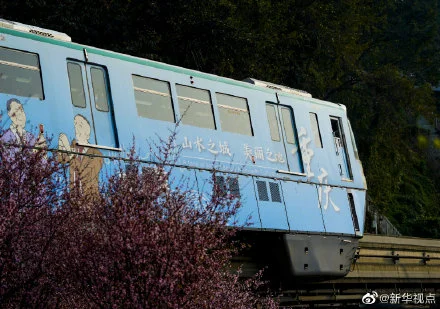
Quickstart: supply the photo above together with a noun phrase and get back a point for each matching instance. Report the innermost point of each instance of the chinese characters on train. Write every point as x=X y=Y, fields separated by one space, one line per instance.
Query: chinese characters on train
x=222 y=148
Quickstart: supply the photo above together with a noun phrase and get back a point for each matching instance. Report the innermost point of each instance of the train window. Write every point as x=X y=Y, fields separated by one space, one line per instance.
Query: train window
x=337 y=135
x=195 y=107
x=99 y=89
x=341 y=147
x=153 y=98
x=288 y=125
x=76 y=84
x=315 y=129
x=234 y=114
x=20 y=73
x=273 y=122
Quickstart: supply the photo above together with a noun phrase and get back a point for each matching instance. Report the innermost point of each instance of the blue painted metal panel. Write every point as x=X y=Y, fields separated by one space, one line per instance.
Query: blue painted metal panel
x=325 y=165
x=306 y=145
x=248 y=154
x=335 y=210
x=314 y=158
x=272 y=213
x=247 y=215
x=201 y=183
x=303 y=208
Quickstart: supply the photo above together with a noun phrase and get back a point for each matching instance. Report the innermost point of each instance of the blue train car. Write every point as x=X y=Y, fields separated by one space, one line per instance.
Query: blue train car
x=290 y=158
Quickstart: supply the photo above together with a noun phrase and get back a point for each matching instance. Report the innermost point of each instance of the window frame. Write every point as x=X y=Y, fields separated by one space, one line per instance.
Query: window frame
x=292 y=139
x=106 y=88
x=341 y=141
x=229 y=107
x=277 y=122
x=27 y=67
x=155 y=92
x=197 y=101
x=315 y=136
x=82 y=84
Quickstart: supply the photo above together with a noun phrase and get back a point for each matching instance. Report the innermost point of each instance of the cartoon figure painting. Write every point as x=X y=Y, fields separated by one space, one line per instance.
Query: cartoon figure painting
x=17 y=134
x=86 y=162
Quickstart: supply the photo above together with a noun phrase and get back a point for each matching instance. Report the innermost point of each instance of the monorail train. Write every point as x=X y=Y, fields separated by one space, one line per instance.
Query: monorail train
x=290 y=158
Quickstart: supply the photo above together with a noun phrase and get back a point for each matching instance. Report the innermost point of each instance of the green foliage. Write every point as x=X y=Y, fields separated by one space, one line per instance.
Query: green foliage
x=379 y=58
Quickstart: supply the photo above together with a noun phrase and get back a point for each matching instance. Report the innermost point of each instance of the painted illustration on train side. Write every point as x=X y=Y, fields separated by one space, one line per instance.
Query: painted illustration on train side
x=85 y=162
x=17 y=133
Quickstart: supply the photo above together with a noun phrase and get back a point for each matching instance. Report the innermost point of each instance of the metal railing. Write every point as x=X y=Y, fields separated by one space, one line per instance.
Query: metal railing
x=380 y=224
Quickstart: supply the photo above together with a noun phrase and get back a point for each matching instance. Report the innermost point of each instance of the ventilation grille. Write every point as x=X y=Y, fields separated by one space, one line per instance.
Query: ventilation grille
x=262 y=191
x=221 y=185
x=275 y=192
x=263 y=194
x=234 y=188
x=228 y=185
x=353 y=212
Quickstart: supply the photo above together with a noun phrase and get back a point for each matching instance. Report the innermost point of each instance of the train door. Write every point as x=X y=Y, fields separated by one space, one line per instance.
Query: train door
x=282 y=116
x=91 y=99
x=341 y=148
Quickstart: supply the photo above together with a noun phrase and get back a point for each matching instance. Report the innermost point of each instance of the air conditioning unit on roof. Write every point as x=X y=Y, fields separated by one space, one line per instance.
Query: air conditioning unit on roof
x=35 y=30
x=286 y=89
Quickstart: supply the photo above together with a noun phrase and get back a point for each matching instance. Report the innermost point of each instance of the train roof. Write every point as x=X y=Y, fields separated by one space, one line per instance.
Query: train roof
x=62 y=39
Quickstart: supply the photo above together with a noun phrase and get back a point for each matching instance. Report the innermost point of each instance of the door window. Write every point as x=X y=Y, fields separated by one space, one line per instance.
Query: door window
x=273 y=122
x=287 y=124
x=76 y=85
x=315 y=129
x=341 y=148
x=99 y=85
